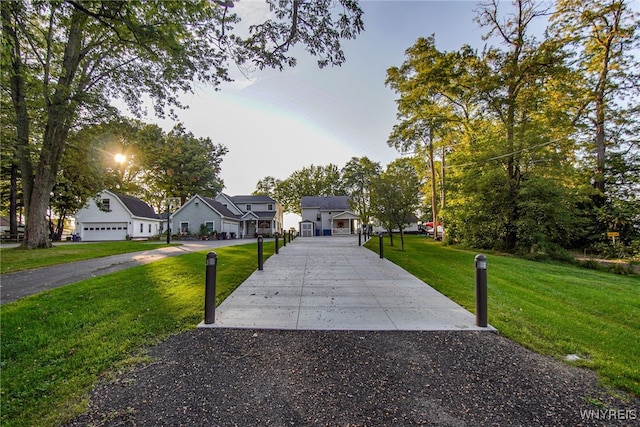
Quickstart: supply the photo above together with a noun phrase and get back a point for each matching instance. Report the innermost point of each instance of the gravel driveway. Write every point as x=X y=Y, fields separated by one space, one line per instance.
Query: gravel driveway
x=243 y=377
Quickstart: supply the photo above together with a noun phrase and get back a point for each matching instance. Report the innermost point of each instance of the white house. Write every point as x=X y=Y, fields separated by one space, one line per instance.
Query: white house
x=327 y=216
x=200 y=210
x=258 y=214
x=114 y=216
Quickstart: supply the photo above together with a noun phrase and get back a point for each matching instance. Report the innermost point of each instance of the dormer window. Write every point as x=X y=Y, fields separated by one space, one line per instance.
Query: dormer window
x=248 y=208
x=269 y=207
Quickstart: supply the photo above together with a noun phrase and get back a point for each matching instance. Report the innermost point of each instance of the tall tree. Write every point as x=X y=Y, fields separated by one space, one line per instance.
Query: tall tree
x=511 y=86
x=604 y=40
x=64 y=60
x=357 y=176
x=604 y=34
x=434 y=103
x=395 y=196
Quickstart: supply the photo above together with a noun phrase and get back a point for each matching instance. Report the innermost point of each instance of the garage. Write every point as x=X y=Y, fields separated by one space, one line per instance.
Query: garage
x=104 y=231
x=230 y=227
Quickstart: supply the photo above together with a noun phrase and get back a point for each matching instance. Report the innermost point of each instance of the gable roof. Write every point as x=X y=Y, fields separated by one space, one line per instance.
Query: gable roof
x=136 y=206
x=346 y=215
x=219 y=207
x=328 y=203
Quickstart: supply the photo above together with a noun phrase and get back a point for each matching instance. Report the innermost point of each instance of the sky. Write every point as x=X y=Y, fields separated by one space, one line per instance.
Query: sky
x=276 y=122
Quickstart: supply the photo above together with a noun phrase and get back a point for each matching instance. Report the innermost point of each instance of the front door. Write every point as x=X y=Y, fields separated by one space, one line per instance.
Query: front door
x=251 y=228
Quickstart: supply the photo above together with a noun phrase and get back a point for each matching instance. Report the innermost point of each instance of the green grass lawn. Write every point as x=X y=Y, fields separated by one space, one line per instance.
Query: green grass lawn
x=57 y=344
x=19 y=259
x=552 y=308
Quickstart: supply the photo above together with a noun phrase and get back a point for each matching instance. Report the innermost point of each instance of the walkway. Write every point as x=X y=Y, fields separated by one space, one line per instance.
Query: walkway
x=330 y=283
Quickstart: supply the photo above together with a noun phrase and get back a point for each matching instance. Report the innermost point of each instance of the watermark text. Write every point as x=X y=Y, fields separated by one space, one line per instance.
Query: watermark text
x=608 y=414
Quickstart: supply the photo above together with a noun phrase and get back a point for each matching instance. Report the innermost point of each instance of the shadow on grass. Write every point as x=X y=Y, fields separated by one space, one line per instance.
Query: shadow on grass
x=57 y=344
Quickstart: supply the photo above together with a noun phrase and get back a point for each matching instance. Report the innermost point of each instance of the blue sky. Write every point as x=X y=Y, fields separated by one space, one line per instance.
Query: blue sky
x=274 y=123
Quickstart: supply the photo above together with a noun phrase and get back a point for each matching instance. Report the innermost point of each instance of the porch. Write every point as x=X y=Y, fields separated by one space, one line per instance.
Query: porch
x=344 y=224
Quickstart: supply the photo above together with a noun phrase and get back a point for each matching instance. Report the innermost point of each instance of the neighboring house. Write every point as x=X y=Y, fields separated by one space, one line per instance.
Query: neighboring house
x=258 y=214
x=200 y=210
x=114 y=216
x=412 y=226
x=327 y=216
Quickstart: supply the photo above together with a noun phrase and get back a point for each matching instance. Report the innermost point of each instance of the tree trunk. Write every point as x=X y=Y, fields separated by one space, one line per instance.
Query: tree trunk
x=13 y=203
x=434 y=196
x=442 y=180
x=61 y=110
x=511 y=231
x=59 y=228
x=9 y=11
x=599 y=179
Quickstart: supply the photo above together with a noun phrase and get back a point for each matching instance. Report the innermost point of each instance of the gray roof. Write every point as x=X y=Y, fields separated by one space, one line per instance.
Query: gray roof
x=329 y=203
x=222 y=209
x=260 y=198
x=137 y=207
x=265 y=214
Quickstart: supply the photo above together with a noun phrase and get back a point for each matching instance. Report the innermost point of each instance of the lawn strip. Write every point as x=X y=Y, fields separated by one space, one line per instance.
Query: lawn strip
x=57 y=344
x=552 y=308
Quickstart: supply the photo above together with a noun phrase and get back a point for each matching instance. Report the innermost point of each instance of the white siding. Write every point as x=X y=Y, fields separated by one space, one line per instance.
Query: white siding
x=93 y=224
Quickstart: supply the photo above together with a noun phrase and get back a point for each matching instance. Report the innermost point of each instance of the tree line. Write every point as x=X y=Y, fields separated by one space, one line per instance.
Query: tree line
x=529 y=145
x=532 y=142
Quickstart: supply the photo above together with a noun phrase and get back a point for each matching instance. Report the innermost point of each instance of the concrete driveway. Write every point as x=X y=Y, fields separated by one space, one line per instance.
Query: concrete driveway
x=331 y=283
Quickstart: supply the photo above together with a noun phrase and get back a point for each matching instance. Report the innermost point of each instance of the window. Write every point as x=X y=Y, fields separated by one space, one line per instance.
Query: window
x=269 y=207
x=105 y=205
x=184 y=227
x=141 y=228
x=248 y=208
x=149 y=228
x=209 y=226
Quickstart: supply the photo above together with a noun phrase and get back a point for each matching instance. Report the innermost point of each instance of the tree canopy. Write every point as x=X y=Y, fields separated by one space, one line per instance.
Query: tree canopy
x=64 y=61
x=538 y=128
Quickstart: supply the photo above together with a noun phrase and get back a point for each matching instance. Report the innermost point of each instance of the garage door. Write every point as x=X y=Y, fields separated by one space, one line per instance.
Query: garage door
x=104 y=231
x=230 y=227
